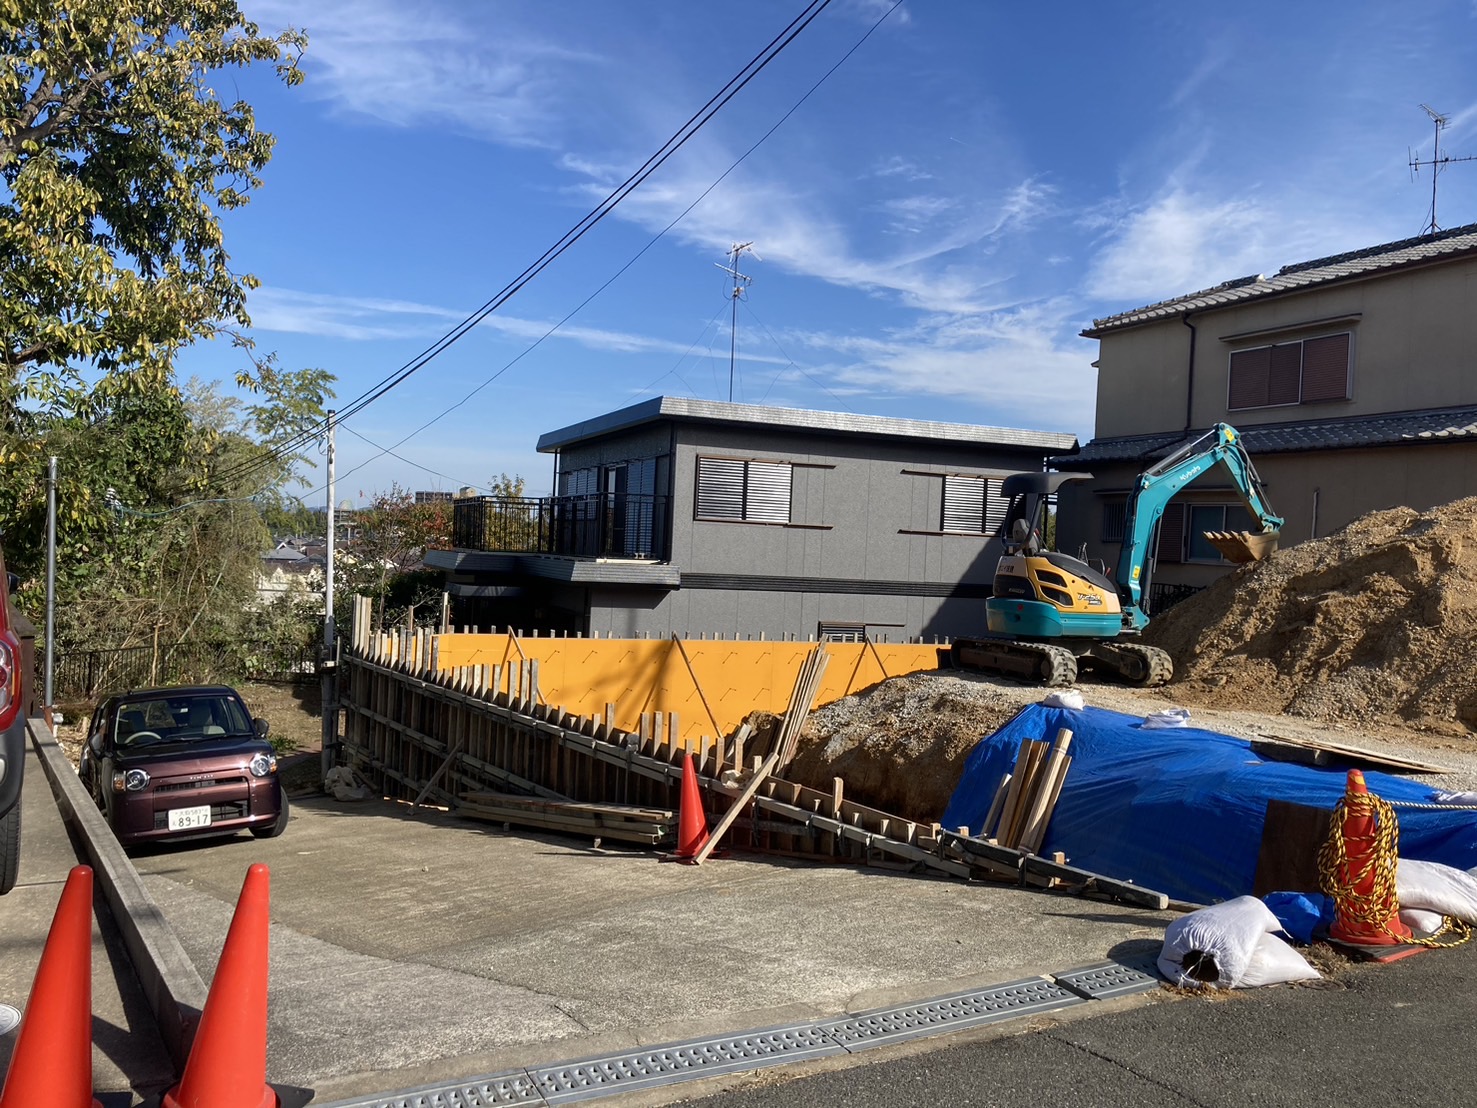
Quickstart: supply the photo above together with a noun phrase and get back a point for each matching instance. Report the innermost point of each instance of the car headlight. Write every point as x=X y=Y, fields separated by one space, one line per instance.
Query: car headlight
x=130 y=781
x=263 y=764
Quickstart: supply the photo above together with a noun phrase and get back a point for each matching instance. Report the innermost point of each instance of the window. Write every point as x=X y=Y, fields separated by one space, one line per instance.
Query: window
x=757 y=492
x=1214 y=517
x=1303 y=372
x=841 y=632
x=1171 y=529
x=973 y=505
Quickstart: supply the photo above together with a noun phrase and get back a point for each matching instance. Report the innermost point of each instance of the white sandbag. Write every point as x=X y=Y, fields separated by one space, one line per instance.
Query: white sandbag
x=1230 y=946
x=1067 y=698
x=1432 y=887
x=1421 y=921
x=1168 y=717
x=343 y=784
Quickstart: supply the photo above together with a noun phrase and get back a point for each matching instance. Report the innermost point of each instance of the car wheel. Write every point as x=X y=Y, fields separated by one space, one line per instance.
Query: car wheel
x=277 y=828
x=10 y=848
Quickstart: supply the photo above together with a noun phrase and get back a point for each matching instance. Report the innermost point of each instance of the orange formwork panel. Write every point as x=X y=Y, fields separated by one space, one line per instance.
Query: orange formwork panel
x=711 y=685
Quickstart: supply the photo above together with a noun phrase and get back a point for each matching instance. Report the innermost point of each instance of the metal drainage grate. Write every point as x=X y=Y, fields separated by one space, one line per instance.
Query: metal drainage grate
x=951 y=1013
x=1105 y=980
x=680 y=1062
x=513 y=1087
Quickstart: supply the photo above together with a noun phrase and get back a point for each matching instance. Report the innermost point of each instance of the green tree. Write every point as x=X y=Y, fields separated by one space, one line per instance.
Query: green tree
x=384 y=562
x=118 y=155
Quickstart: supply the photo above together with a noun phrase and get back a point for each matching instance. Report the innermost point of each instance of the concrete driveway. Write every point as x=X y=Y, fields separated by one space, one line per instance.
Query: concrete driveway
x=412 y=948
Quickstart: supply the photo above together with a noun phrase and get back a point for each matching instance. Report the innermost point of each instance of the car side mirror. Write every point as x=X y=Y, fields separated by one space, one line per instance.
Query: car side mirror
x=262 y=727
x=96 y=742
x=13 y=581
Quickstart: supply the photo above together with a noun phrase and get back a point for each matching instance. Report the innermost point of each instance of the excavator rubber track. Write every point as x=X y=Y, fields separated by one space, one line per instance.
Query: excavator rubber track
x=1041 y=663
x=1134 y=663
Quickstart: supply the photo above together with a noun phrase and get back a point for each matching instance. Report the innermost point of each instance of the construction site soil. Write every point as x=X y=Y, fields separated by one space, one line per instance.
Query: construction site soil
x=1367 y=637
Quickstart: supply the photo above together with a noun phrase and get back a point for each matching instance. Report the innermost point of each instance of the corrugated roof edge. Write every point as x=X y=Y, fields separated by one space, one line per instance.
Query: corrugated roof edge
x=1182 y=304
x=717 y=411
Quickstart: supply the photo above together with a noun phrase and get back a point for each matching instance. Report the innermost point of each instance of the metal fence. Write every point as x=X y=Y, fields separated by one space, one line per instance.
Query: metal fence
x=88 y=674
x=599 y=525
x=1163 y=597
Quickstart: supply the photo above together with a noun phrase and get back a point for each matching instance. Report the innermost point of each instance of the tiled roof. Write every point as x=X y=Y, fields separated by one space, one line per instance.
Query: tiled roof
x=1392 y=429
x=1290 y=278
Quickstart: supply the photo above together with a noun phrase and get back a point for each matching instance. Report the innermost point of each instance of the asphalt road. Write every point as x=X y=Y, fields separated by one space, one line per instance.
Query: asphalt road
x=1397 y=1034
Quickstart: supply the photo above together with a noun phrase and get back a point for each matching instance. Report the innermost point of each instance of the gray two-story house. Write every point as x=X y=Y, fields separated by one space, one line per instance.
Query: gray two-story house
x=1352 y=378
x=691 y=517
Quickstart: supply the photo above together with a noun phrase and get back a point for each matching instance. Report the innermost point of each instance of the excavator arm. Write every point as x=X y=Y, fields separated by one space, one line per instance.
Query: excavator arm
x=1157 y=486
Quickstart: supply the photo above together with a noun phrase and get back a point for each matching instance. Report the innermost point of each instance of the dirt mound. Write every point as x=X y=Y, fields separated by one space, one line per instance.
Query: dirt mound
x=900 y=746
x=1375 y=624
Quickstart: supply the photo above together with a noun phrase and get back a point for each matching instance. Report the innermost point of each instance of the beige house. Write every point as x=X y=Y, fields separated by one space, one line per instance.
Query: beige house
x=1353 y=379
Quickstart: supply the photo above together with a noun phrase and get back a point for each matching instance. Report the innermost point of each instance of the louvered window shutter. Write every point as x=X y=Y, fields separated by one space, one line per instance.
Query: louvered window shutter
x=964 y=504
x=767 y=492
x=720 y=488
x=1326 y=368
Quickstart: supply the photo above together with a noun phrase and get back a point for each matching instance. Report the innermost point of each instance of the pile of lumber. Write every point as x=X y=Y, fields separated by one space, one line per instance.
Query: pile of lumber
x=625 y=822
x=802 y=700
x=1026 y=796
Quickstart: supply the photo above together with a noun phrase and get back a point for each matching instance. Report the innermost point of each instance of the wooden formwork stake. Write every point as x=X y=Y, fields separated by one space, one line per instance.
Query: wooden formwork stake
x=733 y=812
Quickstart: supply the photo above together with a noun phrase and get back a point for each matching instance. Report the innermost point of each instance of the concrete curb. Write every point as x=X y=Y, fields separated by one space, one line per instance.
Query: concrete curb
x=172 y=986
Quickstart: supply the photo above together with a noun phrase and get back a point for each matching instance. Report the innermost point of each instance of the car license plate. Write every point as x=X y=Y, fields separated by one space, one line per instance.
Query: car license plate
x=183 y=819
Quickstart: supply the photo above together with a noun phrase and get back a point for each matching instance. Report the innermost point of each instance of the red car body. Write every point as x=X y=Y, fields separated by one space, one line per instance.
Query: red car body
x=180 y=763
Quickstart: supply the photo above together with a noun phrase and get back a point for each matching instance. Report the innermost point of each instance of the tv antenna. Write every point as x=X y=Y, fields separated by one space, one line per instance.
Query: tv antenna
x=740 y=283
x=1437 y=163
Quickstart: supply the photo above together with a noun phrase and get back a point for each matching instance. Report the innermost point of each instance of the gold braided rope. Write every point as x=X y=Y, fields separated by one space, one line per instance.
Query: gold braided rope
x=1373 y=910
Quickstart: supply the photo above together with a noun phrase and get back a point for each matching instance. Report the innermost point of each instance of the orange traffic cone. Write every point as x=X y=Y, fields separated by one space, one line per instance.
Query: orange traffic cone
x=1357 y=865
x=227 y=1067
x=52 y=1060
x=692 y=824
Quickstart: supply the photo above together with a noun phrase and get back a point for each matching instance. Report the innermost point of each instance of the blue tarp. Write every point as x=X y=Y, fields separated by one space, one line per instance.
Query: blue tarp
x=1180 y=809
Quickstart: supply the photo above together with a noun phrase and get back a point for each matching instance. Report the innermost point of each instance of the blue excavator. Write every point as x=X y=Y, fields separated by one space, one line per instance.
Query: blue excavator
x=1052 y=613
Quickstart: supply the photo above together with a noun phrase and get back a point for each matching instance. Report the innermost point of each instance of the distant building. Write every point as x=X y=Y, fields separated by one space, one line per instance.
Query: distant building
x=434 y=497
x=689 y=517
x=1349 y=377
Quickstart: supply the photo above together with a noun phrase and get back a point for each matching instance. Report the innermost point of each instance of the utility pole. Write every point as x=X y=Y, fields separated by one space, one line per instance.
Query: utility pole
x=330 y=653
x=50 y=590
x=740 y=282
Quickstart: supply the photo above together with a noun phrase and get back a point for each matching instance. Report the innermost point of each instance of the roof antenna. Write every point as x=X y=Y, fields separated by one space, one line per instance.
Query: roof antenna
x=1437 y=163
x=740 y=283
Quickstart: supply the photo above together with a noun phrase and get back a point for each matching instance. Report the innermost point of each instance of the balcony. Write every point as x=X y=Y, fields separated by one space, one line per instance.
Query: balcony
x=600 y=525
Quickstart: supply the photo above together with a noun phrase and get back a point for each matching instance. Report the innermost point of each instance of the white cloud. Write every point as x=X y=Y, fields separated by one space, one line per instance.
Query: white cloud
x=358 y=319
x=1021 y=367
x=409 y=65
x=1179 y=243
x=897 y=166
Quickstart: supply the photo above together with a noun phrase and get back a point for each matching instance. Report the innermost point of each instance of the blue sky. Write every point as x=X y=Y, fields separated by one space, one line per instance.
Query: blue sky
x=933 y=226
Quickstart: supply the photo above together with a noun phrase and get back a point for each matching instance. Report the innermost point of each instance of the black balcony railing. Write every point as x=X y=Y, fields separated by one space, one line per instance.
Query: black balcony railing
x=600 y=525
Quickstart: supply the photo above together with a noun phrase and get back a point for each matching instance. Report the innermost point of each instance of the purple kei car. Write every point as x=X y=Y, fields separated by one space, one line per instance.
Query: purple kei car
x=167 y=764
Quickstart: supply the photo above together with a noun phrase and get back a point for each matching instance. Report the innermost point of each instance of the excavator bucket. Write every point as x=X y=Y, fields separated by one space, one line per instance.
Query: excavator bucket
x=1243 y=546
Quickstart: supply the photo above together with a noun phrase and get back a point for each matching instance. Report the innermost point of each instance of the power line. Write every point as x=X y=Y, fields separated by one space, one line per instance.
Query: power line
x=652 y=242
x=678 y=139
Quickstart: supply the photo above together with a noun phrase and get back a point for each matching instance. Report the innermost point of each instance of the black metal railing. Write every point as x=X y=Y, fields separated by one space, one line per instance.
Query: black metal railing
x=88 y=674
x=1163 y=597
x=599 y=525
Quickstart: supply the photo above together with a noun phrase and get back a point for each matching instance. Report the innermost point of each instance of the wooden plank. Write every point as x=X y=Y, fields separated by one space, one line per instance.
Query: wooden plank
x=1329 y=752
x=733 y=812
x=992 y=819
x=1292 y=835
x=1033 y=827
